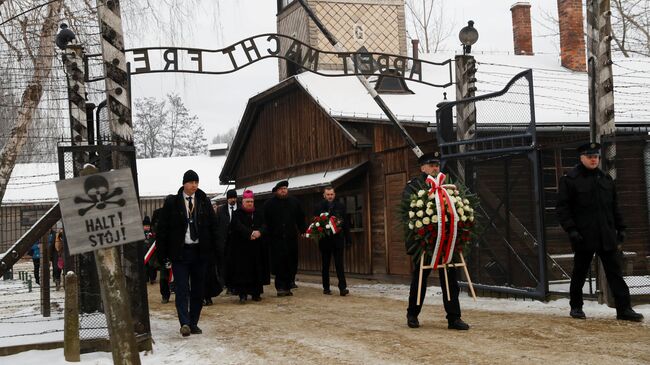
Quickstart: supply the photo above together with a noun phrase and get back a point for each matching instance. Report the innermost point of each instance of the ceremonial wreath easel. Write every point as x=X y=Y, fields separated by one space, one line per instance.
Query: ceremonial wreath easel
x=445 y=240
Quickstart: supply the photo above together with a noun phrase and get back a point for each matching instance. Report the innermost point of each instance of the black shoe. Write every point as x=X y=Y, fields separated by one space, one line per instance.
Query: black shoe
x=257 y=298
x=577 y=313
x=344 y=292
x=629 y=315
x=412 y=321
x=208 y=301
x=458 y=324
x=164 y=300
x=283 y=293
x=242 y=299
x=293 y=285
x=185 y=330
x=195 y=330
x=327 y=292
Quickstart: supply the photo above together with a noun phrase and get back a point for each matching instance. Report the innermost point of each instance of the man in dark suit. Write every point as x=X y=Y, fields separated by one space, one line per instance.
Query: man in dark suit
x=285 y=221
x=225 y=213
x=188 y=238
x=335 y=243
x=587 y=208
x=430 y=165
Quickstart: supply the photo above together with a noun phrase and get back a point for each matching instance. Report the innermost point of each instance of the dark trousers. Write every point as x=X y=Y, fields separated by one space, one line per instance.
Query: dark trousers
x=37 y=270
x=188 y=276
x=329 y=247
x=165 y=292
x=452 y=307
x=611 y=264
x=56 y=272
x=151 y=273
x=284 y=256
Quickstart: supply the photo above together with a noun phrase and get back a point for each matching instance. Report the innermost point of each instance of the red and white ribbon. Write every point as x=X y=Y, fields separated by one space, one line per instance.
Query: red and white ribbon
x=445 y=241
x=150 y=252
x=335 y=229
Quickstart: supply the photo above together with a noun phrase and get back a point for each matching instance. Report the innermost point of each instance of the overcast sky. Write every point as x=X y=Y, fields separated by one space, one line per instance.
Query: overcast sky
x=219 y=100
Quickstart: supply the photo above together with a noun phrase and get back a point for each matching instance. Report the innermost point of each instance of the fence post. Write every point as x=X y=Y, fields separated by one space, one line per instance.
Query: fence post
x=71 y=346
x=45 y=280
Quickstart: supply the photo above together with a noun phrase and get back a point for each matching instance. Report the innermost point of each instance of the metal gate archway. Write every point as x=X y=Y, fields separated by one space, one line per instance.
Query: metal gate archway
x=501 y=165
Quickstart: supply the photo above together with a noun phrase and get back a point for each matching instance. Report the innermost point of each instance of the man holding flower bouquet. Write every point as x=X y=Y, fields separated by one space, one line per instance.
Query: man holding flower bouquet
x=430 y=165
x=334 y=242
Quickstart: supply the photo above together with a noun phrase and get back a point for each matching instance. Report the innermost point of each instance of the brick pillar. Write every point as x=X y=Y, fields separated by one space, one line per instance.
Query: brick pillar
x=521 y=30
x=572 y=40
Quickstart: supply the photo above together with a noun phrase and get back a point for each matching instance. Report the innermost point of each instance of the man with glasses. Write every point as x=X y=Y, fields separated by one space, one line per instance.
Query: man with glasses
x=587 y=209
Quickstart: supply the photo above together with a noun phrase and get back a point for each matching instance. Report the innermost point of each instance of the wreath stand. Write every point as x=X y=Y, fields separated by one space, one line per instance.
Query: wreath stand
x=445 y=266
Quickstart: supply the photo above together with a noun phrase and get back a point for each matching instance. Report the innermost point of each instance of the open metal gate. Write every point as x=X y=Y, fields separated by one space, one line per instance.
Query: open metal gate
x=501 y=164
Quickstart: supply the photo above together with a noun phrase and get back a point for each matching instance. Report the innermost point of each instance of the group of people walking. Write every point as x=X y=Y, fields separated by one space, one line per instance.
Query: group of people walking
x=239 y=246
x=236 y=246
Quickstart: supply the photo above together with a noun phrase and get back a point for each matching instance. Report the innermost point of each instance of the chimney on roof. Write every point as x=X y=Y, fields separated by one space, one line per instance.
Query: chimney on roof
x=521 y=30
x=572 y=39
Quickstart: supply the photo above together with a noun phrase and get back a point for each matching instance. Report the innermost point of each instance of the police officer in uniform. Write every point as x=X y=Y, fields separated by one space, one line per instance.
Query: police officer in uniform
x=587 y=209
x=430 y=165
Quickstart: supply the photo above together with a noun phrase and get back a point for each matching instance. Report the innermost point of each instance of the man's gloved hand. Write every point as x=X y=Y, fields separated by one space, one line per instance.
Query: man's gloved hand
x=620 y=236
x=167 y=263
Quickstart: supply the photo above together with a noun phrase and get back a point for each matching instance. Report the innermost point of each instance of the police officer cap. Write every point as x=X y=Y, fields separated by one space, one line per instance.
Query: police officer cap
x=591 y=148
x=146 y=221
x=433 y=157
x=232 y=193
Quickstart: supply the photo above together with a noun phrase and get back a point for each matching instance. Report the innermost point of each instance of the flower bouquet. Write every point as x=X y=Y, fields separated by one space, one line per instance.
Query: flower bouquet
x=438 y=219
x=322 y=226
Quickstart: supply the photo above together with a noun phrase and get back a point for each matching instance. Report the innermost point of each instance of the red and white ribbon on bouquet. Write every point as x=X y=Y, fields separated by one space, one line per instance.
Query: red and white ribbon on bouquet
x=335 y=229
x=446 y=240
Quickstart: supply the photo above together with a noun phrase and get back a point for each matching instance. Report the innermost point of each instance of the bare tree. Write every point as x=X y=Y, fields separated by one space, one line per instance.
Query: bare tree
x=631 y=26
x=226 y=137
x=164 y=128
x=149 y=125
x=31 y=97
x=428 y=23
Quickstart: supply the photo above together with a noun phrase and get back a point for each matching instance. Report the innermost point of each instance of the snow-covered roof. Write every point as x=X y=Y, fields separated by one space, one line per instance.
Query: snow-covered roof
x=295 y=183
x=157 y=177
x=561 y=95
x=217 y=146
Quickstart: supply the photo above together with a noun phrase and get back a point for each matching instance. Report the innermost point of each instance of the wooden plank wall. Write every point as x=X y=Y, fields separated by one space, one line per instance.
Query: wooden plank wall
x=293 y=136
x=11 y=228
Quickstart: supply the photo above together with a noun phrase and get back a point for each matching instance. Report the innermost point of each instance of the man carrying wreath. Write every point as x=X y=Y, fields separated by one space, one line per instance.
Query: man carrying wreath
x=430 y=165
x=334 y=243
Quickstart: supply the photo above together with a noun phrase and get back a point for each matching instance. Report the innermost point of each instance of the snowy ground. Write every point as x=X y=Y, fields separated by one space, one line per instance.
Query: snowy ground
x=366 y=327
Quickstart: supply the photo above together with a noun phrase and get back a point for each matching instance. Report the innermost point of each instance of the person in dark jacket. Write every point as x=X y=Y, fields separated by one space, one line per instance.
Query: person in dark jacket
x=248 y=269
x=54 y=257
x=149 y=238
x=430 y=165
x=587 y=208
x=35 y=253
x=335 y=243
x=158 y=261
x=285 y=221
x=225 y=213
x=188 y=238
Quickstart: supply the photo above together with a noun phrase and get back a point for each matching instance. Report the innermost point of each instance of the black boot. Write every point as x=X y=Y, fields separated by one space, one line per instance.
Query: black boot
x=629 y=315
x=412 y=321
x=577 y=313
x=458 y=324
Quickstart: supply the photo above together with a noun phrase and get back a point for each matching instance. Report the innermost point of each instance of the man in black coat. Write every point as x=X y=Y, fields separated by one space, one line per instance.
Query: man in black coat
x=587 y=209
x=430 y=165
x=188 y=238
x=335 y=243
x=285 y=221
x=225 y=213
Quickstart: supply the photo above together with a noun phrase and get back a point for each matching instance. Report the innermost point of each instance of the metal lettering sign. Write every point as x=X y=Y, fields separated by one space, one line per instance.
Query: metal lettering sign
x=259 y=47
x=99 y=211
